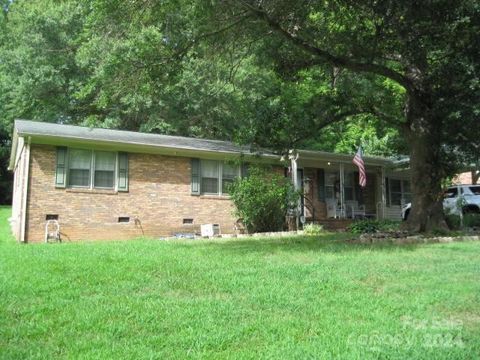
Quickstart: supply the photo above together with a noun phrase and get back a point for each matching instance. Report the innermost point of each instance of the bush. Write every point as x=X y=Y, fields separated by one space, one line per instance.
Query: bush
x=262 y=200
x=453 y=221
x=440 y=232
x=371 y=226
x=471 y=220
x=313 y=229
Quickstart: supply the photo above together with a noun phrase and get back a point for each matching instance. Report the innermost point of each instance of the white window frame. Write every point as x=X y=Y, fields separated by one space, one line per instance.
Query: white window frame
x=92 y=171
x=330 y=186
x=220 y=165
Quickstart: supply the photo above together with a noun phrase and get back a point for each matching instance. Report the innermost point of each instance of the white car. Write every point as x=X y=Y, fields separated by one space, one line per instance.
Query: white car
x=469 y=204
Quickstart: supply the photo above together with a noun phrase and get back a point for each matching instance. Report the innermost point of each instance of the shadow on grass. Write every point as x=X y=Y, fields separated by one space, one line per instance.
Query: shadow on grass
x=329 y=243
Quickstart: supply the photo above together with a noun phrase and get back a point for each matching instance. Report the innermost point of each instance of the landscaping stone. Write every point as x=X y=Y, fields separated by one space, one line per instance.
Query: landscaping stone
x=402 y=237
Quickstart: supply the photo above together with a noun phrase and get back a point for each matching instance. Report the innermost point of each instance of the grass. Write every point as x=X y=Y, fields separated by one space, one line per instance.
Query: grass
x=315 y=297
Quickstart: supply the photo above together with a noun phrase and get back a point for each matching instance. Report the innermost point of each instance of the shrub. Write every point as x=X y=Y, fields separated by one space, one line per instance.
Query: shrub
x=471 y=220
x=371 y=226
x=453 y=221
x=313 y=229
x=440 y=232
x=262 y=200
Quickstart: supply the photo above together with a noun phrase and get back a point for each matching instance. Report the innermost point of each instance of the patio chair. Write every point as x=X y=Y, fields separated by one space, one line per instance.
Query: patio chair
x=333 y=209
x=52 y=231
x=354 y=210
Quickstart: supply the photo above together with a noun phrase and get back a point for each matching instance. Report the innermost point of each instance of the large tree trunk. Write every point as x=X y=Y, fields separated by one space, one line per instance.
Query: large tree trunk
x=426 y=166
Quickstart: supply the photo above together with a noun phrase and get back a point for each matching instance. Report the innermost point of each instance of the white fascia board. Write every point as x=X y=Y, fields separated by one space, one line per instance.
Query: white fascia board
x=13 y=151
x=347 y=158
x=132 y=146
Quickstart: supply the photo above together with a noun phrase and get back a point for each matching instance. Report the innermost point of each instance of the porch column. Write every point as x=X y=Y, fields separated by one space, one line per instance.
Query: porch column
x=342 y=190
x=294 y=169
x=384 y=193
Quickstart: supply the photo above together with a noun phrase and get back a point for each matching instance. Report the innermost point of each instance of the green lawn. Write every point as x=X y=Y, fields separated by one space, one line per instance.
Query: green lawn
x=252 y=298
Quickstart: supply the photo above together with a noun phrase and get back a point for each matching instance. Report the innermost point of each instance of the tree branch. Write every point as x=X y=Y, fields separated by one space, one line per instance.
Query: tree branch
x=241 y=19
x=387 y=117
x=329 y=121
x=327 y=57
x=182 y=52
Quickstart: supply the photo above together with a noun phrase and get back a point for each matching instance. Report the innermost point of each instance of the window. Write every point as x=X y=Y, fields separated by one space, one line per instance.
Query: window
x=229 y=173
x=451 y=193
x=104 y=169
x=210 y=176
x=217 y=177
x=475 y=190
x=80 y=162
x=332 y=184
x=91 y=169
x=400 y=192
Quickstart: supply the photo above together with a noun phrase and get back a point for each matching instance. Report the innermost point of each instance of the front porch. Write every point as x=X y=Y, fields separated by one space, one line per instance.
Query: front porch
x=329 y=184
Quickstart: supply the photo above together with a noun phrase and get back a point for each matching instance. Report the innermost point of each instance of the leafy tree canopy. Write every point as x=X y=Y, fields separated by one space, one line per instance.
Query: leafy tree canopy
x=161 y=68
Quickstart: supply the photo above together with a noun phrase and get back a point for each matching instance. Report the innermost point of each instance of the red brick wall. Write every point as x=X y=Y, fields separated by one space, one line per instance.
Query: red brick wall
x=159 y=197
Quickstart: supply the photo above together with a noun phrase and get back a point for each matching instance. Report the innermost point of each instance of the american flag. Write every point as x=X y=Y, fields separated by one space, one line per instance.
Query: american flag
x=358 y=160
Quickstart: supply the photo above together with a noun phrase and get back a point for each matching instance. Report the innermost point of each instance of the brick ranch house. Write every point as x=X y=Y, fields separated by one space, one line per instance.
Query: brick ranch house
x=111 y=184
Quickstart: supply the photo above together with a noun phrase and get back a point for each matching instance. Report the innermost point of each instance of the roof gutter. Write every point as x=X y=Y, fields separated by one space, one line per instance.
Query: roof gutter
x=315 y=155
x=270 y=156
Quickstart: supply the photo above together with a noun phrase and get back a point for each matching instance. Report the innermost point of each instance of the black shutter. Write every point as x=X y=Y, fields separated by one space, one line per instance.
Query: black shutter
x=321 y=184
x=387 y=191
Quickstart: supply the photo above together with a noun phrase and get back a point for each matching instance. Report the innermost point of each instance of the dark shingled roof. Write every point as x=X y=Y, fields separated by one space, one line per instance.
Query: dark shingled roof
x=35 y=128
x=60 y=131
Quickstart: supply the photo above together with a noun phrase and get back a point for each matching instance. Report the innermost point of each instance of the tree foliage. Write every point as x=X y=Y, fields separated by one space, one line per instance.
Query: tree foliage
x=158 y=68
